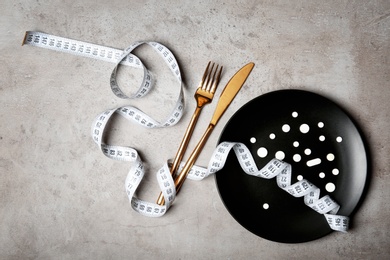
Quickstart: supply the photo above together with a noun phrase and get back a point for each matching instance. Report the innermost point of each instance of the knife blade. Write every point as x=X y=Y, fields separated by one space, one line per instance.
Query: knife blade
x=230 y=91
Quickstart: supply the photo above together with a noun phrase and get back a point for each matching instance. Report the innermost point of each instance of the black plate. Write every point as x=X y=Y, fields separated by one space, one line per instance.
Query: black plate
x=331 y=131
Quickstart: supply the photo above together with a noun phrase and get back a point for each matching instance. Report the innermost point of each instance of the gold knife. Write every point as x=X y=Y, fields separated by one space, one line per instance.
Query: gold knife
x=227 y=96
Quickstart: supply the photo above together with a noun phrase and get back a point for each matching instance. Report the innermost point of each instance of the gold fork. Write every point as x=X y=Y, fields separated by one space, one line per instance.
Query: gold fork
x=203 y=95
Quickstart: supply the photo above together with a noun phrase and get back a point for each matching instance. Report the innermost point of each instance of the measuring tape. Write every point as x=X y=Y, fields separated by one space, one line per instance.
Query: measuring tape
x=124 y=57
x=277 y=169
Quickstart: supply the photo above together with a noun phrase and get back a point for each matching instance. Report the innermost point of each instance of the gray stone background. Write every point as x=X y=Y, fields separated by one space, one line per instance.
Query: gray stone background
x=61 y=198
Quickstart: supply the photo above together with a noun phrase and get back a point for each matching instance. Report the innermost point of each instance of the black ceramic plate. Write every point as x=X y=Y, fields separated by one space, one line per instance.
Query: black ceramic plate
x=298 y=127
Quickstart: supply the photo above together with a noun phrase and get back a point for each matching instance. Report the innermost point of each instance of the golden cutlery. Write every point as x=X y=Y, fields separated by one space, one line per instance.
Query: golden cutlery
x=227 y=96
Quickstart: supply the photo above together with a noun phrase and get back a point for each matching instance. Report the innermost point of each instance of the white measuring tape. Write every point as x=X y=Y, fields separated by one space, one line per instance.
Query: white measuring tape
x=275 y=168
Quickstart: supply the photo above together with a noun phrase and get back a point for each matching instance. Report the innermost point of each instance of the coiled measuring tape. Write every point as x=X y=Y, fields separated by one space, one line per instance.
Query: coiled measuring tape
x=277 y=169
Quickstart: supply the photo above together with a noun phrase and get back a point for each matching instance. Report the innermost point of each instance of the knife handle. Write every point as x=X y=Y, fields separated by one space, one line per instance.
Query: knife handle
x=181 y=177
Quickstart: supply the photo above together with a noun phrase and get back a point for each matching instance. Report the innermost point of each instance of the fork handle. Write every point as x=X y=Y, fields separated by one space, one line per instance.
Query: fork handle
x=182 y=148
x=179 y=180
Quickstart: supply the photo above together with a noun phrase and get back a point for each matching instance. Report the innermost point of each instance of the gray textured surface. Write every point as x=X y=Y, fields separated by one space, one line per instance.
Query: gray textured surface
x=60 y=198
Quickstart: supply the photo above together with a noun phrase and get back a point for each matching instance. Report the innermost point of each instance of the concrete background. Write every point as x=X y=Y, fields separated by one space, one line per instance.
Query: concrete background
x=60 y=198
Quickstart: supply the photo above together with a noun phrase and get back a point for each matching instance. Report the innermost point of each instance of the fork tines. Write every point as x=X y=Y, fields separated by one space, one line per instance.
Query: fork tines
x=210 y=78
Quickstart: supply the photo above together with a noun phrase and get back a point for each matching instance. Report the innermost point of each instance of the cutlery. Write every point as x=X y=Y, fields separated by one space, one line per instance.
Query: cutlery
x=227 y=96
